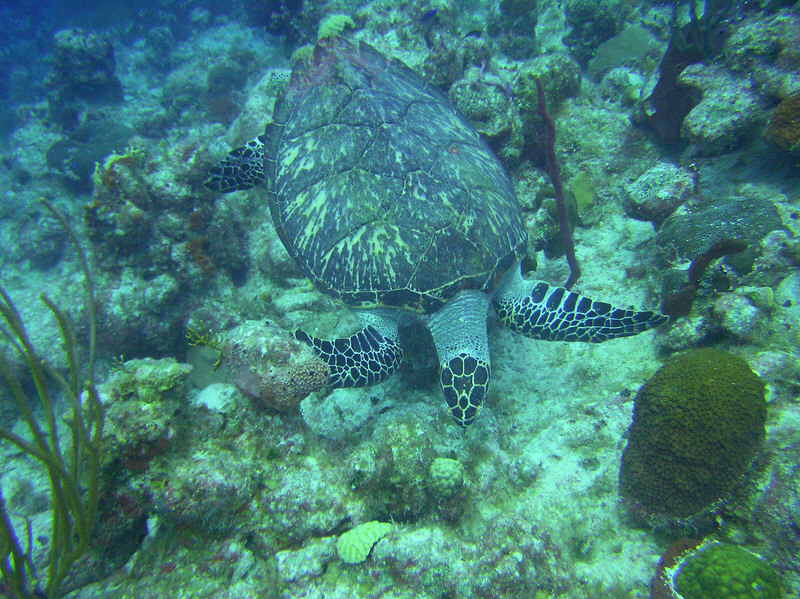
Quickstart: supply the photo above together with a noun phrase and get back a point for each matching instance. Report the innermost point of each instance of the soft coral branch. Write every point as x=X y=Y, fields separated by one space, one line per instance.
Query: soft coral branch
x=555 y=178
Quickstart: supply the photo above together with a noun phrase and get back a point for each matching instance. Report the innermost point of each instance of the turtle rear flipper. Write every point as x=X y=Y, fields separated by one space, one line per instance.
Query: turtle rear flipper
x=542 y=311
x=242 y=168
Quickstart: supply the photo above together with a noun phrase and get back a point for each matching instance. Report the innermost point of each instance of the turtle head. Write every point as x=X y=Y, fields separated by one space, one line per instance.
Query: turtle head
x=465 y=382
x=459 y=333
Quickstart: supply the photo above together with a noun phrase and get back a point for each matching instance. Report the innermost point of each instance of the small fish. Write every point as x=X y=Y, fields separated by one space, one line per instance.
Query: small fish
x=282 y=75
x=473 y=33
x=428 y=15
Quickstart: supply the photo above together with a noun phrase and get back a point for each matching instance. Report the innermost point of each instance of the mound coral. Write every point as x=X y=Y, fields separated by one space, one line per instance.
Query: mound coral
x=720 y=571
x=445 y=478
x=697 y=425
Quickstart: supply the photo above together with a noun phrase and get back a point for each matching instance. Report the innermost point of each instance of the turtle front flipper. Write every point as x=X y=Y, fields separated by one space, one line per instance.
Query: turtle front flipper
x=459 y=333
x=361 y=360
x=541 y=311
x=242 y=168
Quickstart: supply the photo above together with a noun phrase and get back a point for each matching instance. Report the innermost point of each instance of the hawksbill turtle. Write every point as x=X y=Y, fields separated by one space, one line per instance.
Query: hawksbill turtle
x=390 y=201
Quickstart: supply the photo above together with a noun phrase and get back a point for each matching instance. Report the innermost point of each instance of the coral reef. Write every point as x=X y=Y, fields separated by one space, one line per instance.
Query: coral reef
x=727 y=114
x=208 y=489
x=268 y=364
x=141 y=398
x=560 y=77
x=354 y=546
x=669 y=98
x=784 y=125
x=514 y=26
x=485 y=100
x=389 y=472
x=697 y=425
x=720 y=571
x=592 y=24
x=658 y=192
x=765 y=47
x=445 y=478
x=75 y=157
x=632 y=47
x=679 y=291
x=82 y=71
x=687 y=236
x=207 y=492
x=446 y=59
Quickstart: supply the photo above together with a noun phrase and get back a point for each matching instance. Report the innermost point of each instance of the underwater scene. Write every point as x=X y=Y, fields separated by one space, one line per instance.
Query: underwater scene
x=370 y=299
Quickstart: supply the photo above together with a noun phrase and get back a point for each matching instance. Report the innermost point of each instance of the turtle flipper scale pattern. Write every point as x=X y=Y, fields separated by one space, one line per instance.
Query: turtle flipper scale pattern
x=465 y=383
x=242 y=168
x=541 y=311
x=361 y=360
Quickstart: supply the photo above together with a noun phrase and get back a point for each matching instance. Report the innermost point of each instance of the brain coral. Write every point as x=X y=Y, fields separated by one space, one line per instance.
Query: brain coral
x=354 y=545
x=697 y=425
x=719 y=571
x=445 y=478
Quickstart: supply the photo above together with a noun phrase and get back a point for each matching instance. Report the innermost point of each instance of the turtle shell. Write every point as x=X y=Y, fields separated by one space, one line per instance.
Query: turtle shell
x=380 y=190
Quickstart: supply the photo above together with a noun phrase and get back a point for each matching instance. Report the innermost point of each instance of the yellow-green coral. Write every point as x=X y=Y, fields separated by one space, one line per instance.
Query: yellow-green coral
x=353 y=547
x=301 y=54
x=201 y=336
x=334 y=25
x=132 y=155
x=719 y=571
x=445 y=478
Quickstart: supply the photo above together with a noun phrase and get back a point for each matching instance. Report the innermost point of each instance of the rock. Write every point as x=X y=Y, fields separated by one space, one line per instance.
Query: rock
x=728 y=113
x=267 y=363
x=658 y=192
x=766 y=47
x=310 y=561
x=82 y=71
x=686 y=236
x=737 y=315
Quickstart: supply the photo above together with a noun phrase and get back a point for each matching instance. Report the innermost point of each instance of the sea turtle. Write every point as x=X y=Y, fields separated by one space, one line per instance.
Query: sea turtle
x=390 y=201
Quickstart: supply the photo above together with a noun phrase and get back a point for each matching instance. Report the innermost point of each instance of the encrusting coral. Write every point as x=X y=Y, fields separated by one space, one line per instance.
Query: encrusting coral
x=784 y=125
